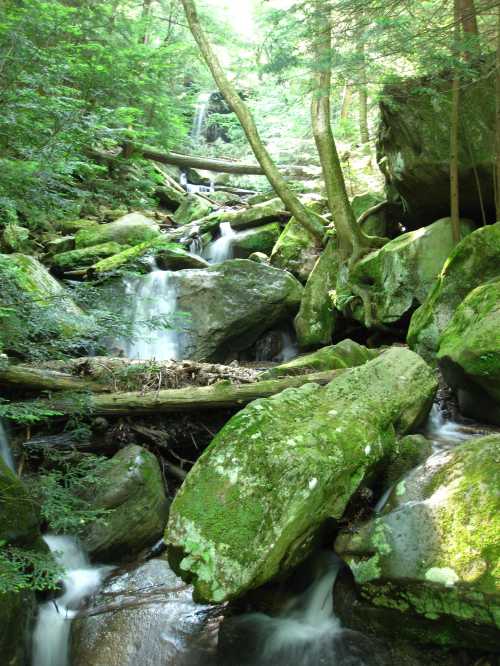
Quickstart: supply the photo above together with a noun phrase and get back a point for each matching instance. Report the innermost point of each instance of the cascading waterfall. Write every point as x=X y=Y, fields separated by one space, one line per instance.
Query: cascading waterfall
x=200 y=115
x=444 y=432
x=221 y=249
x=5 y=451
x=155 y=299
x=51 y=635
x=289 y=348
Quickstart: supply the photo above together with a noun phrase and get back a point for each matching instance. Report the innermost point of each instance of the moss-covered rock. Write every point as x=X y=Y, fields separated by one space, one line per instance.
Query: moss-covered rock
x=86 y=256
x=469 y=352
x=254 y=502
x=414 y=146
x=73 y=226
x=474 y=261
x=17 y=613
x=59 y=245
x=16 y=239
x=128 y=230
x=168 y=256
x=37 y=285
x=317 y=317
x=401 y=274
x=169 y=196
x=131 y=489
x=296 y=250
x=245 y=218
x=433 y=553
x=376 y=224
x=259 y=258
x=409 y=452
x=19 y=520
x=231 y=304
x=345 y=354
x=261 y=239
x=192 y=208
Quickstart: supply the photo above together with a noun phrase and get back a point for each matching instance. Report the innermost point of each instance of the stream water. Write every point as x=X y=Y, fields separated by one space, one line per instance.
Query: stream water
x=222 y=248
x=5 y=451
x=51 y=635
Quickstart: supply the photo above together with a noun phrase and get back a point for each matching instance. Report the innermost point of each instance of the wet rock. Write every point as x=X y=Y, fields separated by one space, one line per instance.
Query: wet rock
x=131 y=229
x=252 y=506
x=259 y=258
x=192 y=208
x=231 y=305
x=259 y=240
x=296 y=250
x=317 y=317
x=402 y=273
x=474 y=261
x=431 y=557
x=254 y=216
x=469 y=353
x=131 y=489
x=144 y=616
x=409 y=452
x=67 y=261
x=345 y=354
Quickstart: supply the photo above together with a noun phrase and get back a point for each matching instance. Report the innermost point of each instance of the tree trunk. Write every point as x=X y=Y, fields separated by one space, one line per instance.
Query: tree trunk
x=219 y=396
x=146 y=12
x=454 y=134
x=346 y=102
x=37 y=379
x=497 y=121
x=363 y=95
x=351 y=239
x=468 y=21
x=308 y=219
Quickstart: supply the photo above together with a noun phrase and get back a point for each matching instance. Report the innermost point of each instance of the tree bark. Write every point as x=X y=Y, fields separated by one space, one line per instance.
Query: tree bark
x=351 y=239
x=219 y=396
x=363 y=95
x=468 y=17
x=308 y=219
x=497 y=120
x=454 y=132
x=346 y=102
x=36 y=379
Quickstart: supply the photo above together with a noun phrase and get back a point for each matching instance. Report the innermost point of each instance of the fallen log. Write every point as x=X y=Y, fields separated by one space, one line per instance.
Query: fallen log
x=40 y=379
x=222 y=395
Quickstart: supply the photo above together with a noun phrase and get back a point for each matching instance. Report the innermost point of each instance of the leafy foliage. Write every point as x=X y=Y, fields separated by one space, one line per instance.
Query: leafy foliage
x=27 y=569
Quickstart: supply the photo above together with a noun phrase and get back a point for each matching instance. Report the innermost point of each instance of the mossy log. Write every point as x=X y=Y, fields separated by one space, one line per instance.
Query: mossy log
x=40 y=379
x=222 y=395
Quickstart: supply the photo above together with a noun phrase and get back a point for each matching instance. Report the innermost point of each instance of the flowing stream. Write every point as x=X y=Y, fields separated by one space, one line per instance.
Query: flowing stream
x=155 y=300
x=5 y=451
x=51 y=635
x=222 y=248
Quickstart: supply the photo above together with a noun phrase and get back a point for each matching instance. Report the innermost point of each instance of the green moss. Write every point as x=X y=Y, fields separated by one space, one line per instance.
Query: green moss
x=192 y=208
x=261 y=239
x=129 y=230
x=84 y=257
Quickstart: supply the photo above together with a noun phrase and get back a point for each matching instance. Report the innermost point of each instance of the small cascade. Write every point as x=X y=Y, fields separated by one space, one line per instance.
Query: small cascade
x=200 y=115
x=5 y=451
x=289 y=348
x=51 y=635
x=196 y=189
x=221 y=249
x=444 y=432
x=155 y=299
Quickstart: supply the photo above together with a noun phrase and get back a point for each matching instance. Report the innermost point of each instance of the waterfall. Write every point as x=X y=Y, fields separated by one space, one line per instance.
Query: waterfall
x=200 y=115
x=289 y=348
x=51 y=635
x=5 y=451
x=155 y=298
x=221 y=249
x=444 y=432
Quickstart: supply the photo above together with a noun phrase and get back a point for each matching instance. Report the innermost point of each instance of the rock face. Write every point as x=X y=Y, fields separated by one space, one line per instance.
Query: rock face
x=376 y=224
x=296 y=250
x=128 y=230
x=414 y=147
x=430 y=560
x=346 y=354
x=192 y=208
x=474 y=261
x=230 y=305
x=469 y=353
x=254 y=502
x=402 y=273
x=19 y=527
x=261 y=239
x=37 y=286
x=315 y=322
x=147 y=617
x=132 y=490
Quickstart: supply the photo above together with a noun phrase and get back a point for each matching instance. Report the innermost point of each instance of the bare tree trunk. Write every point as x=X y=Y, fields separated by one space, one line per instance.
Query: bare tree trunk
x=468 y=17
x=346 y=102
x=497 y=121
x=363 y=96
x=454 y=134
x=146 y=12
x=307 y=218
x=351 y=239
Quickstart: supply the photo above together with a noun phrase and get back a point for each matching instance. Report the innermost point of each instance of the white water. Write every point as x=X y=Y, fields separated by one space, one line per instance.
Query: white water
x=289 y=348
x=221 y=249
x=5 y=451
x=200 y=115
x=155 y=301
x=51 y=635
x=445 y=432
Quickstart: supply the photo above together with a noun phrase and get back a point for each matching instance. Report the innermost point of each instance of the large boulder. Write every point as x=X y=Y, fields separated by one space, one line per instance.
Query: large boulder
x=431 y=559
x=317 y=317
x=474 y=261
x=146 y=616
x=131 y=489
x=469 y=353
x=401 y=274
x=230 y=305
x=296 y=250
x=345 y=354
x=260 y=239
x=255 y=501
x=86 y=256
x=19 y=527
x=414 y=146
x=25 y=280
x=192 y=208
x=375 y=224
x=246 y=218
x=130 y=229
